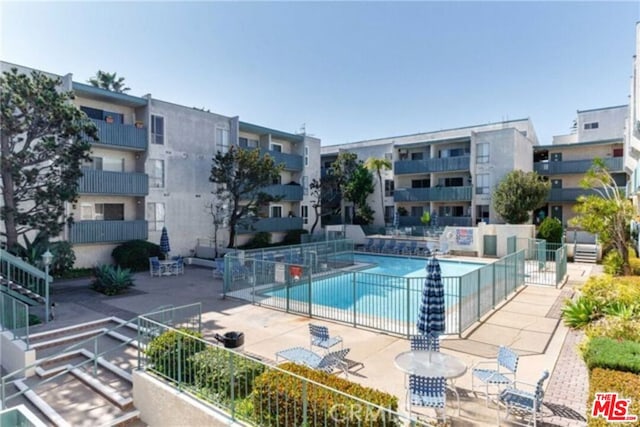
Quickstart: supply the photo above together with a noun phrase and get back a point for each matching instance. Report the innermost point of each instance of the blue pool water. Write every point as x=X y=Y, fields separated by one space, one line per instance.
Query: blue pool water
x=396 y=284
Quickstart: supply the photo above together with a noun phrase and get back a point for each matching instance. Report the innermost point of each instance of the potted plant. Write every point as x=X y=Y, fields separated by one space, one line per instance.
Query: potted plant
x=139 y=124
x=108 y=119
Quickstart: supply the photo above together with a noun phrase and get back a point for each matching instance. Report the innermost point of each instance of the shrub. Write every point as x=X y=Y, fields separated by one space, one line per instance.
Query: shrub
x=63 y=258
x=213 y=368
x=111 y=280
x=278 y=397
x=602 y=352
x=613 y=263
x=579 y=313
x=261 y=239
x=135 y=254
x=604 y=289
x=617 y=328
x=627 y=386
x=170 y=354
x=550 y=230
x=34 y=320
x=293 y=237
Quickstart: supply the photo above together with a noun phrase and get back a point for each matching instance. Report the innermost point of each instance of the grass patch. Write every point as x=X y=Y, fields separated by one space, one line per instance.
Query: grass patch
x=602 y=352
x=626 y=384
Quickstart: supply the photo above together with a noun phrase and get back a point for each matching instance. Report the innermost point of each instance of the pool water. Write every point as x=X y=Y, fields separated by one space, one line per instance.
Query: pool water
x=413 y=267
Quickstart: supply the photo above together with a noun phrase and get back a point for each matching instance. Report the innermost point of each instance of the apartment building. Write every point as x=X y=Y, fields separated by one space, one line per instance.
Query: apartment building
x=448 y=173
x=632 y=129
x=598 y=133
x=151 y=169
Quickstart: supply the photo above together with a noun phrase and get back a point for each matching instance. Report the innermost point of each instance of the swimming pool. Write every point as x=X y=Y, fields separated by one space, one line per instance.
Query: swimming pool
x=391 y=288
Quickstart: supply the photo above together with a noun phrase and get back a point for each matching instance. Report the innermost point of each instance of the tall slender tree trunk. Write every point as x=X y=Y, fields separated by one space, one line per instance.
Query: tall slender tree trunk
x=8 y=195
x=381 y=196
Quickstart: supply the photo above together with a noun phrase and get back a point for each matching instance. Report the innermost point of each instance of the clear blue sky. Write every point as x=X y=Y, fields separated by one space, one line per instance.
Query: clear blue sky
x=349 y=70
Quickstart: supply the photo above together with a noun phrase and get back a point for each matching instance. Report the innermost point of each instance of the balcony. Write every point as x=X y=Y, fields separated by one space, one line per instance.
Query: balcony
x=127 y=137
x=613 y=164
x=107 y=231
x=447 y=164
x=433 y=194
x=270 y=225
x=440 y=221
x=571 y=194
x=289 y=193
x=113 y=183
x=292 y=162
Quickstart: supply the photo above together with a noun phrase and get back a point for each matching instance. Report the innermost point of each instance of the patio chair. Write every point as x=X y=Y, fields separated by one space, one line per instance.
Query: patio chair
x=319 y=336
x=369 y=246
x=399 y=248
x=219 y=268
x=378 y=246
x=410 y=249
x=522 y=402
x=155 y=269
x=501 y=373
x=430 y=342
x=389 y=246
x=326 y=363
x=428 y=392
x=178 y=266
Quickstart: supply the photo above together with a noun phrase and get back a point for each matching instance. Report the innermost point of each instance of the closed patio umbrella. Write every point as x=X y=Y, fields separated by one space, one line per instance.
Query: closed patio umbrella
x=164 y=242
x=431 y=313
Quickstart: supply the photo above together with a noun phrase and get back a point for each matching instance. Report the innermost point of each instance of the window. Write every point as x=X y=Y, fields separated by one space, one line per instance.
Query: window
x=451 y=211
x=222 y=140
x=417 y=210
x=451 y=182
x=102 y=212
x=420 y=183
x=306 y=155
x=157 y=129
x=304 y=213
x=305 y=185
x=156 y=173
x=482 y=213
x=388 y=156
x=618 y=152
x=276 y=147
x=277 y=180
x=155 y=216
x=416 y=156
x=86 y=212
x=482 y=156
x=388 y=214
x=592 y=125
x=482 y=183
x=388 y=187
x=248 y=143
x=275 y=211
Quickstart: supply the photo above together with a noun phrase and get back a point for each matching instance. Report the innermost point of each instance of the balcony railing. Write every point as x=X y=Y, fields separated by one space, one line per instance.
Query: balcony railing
x=292 y=162
x=107 y=231
x=289 y=193
x=571 y=194
x=613 y=164
x=113 y=183
x=433 y=194
x=440 y=221
x=124 y=136
x=270 y=225
x=447 y=164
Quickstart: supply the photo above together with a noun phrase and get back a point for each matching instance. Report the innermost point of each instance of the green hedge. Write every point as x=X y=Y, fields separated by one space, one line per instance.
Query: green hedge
x=135 y=254
x=278 y=400
x=602 y=352
x=626 y=384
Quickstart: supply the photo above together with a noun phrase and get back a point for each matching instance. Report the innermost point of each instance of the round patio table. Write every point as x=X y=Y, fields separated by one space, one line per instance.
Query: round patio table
x=430 y=364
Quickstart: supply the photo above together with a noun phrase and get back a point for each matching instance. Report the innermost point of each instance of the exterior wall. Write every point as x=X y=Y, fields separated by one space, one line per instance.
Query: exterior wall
x=311 y=171
x=610 y=123
x=130 y=158
x=14 y=354
x=632 y=130
x=89 y=255
x=129 y=113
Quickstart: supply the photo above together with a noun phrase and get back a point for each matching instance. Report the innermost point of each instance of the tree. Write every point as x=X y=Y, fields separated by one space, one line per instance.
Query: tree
x=357 y=189
x=341 y=170
x=377 y=165
x=219 y=211
x=109 y=81
x=322 y=194
x=44 y=140
x=606 y=213
x=240 y=176
x=518 y=194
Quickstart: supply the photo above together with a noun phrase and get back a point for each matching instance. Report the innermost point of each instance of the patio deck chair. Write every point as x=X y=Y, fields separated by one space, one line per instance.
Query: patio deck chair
x=155 y=269
x=377 y=246
x=319 y=337
x=389 y=246
x=523 y=403
x=326 y=363
x=368 y=247
x=430 y=342
x=399 y=248
x=499 y=373
x=178 y=266
x=410 y=249
x=428 y=392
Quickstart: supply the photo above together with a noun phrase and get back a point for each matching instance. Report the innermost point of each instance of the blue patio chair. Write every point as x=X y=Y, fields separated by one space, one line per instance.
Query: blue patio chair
x=399 y=248
x=319 y=337
x=377 y=246
x=178 y=266
x=523 y=403
x=389 y=247
x=368 y=247
x=499 y=373
x=326 y=363
x=219 y=268
x=428 y=392
x=410 y=249
x=429 y=342
x=155 y=269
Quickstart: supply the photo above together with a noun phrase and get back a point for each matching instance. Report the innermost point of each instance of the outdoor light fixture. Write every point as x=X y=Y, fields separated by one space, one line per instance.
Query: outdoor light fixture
x=47 y=257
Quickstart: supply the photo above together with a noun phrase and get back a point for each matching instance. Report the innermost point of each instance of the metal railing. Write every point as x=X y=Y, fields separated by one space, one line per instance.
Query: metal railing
x=15 y=270
x=227 y=379
x=14 y=317
x=270 y=225
x=448 y=164
x=107 y=231
x=433 y=194
x=546 y=263
x=113 y=183
x=291 y=162
x=613 y=164
x=121 y=135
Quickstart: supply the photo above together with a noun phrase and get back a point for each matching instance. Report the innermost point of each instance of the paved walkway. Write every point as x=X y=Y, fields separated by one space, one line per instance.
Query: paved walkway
x=529 y=322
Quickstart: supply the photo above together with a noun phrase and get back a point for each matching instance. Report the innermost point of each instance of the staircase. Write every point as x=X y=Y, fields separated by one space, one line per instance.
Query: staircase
x=22 y=280
x=82 y=376
x=585 y=253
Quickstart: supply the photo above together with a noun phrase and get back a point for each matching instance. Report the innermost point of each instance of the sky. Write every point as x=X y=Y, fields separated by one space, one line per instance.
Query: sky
x=344 y=71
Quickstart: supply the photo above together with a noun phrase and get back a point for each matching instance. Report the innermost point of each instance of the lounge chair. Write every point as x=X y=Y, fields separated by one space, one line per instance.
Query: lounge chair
x=499 y=373
x=155 y=269
x=399 y=248
x=377 y=246
x=524 y=402
x=428 y=392
x=389 y=246
x=368 y=247
x=319 y=337
x=410 y=249
x=326 y=363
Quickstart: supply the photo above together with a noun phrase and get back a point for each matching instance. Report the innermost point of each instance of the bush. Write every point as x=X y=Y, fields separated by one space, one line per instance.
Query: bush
x=212 y=373
x=261 y=239
x=550 y=230
x=278 y=398
x=135 y=254
x=579 y=313
x=617 y=328
x=293 y=237
x=604 y=290
x=170 y=354
x=612 y=263
x=627 y=386
x=111 y=280
x=63 y=258
x=602 y=352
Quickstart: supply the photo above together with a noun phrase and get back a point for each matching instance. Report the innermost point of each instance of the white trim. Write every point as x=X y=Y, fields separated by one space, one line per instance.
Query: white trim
x=164 y=130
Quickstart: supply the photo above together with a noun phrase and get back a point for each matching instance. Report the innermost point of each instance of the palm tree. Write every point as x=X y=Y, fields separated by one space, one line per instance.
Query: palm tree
x=377 y=165
x=109 y=81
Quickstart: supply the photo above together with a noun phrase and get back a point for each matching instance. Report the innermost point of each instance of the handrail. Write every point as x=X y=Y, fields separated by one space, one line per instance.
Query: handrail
x=23 y=265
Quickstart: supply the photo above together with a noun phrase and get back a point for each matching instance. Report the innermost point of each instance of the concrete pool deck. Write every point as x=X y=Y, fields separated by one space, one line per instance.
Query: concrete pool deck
x=529 y=322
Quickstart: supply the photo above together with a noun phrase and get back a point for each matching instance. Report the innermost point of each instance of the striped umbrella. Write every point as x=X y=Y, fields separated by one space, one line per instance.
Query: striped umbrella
x=396 y=219
x=431 y=313
x=164 y=241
